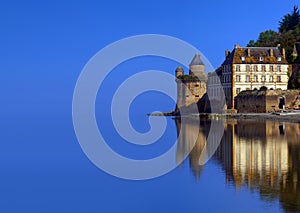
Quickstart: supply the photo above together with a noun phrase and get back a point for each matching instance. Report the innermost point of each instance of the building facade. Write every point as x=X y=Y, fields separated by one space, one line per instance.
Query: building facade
x=250 y=68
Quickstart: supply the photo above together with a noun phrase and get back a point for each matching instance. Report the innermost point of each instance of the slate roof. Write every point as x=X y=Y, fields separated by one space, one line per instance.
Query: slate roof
x=197 y=60
x=236 y=55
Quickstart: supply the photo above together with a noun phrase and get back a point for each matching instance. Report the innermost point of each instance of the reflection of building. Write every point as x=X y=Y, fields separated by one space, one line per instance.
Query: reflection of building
x=249 y=68
x=263 y=156
x=191 y=87
x=197 y=141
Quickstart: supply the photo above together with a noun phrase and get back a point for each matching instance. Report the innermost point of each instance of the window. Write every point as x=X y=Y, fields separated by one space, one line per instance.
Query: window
x=238 y=78
x=255 y=68
x=238 y=68
x=279 y=58
x=271 y=68
x=255 y=78
x=263 y=68
x=243 y=58
x=271 y=78
x=278 y=78
x=261 y=58
x=238 y=90
x=247 y=78
x=263 y=78
x=279 y=68
x=247 y=67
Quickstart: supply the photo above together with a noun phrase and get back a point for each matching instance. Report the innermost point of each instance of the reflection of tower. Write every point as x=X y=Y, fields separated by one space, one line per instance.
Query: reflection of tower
x=186 y=142
x=191 y=87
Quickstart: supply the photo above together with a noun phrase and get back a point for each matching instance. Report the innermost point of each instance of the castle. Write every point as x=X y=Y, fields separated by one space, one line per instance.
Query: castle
x=244 y=68
x=195 y=82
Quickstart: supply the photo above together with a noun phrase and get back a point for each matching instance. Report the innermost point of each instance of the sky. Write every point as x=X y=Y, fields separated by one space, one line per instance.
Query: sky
x=45 y=45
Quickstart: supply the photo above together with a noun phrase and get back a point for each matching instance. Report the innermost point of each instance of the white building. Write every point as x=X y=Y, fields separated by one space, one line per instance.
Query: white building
x=249 y=68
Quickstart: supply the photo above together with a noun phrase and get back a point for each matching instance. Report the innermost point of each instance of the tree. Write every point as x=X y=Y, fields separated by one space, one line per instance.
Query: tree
x=298 y=77
x=268 y=38
x=290 y=21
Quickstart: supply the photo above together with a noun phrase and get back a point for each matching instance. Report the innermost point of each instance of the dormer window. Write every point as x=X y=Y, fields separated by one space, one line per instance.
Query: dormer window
x=261 y=58
x=243 y=58
x=279 y=58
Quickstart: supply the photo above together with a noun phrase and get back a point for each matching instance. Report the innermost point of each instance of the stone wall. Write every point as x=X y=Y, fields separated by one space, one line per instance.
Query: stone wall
x=267 y=101
x=251 y=102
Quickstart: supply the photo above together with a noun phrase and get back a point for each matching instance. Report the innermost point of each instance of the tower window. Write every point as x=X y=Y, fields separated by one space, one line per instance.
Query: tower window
x=279 y=58
x=261 y=58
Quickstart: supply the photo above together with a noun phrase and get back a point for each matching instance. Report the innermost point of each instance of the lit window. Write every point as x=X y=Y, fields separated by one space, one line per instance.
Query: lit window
x=261 y=58
x=279 y=58
x=279 y=68
x=263 y=68
x=238 y=68
x=263 y=78
x=271 y=68
x=238 y=78
x=243 y=58
x=247 y=78
x=271 y=78
x=278 y=78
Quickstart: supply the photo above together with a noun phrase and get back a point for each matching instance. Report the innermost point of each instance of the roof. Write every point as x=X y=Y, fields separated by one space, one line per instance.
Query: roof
x=179 y=69
x=252 y=56
x=197 y=60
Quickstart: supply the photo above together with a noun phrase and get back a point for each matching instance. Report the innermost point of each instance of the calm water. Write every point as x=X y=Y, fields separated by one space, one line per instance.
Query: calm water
x=255 y=168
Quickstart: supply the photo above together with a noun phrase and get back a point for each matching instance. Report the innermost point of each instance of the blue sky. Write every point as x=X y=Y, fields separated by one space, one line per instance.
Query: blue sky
x=45 y=45
x=70 y=32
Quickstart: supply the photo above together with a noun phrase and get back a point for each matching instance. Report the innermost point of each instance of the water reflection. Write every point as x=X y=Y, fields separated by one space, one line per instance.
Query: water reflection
x=260 y=156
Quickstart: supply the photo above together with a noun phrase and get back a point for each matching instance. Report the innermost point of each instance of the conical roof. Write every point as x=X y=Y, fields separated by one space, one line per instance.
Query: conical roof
x=197 y=60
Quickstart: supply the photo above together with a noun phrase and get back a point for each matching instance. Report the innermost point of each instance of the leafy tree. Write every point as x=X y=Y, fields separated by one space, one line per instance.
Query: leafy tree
x=267 y=38
x=287 y=36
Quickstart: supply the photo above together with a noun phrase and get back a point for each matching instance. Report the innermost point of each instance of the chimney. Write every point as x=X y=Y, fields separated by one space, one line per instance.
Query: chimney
x=236 y=46
x=283 y=52
x=271 y=52
x=227 y=53
x=248 y=52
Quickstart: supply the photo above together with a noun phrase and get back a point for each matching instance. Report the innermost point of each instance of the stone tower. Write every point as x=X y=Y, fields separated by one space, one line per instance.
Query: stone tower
x=197 y=68
x=191 y=87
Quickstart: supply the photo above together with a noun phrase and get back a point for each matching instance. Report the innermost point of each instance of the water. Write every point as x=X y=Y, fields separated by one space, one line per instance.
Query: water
x=255 y=168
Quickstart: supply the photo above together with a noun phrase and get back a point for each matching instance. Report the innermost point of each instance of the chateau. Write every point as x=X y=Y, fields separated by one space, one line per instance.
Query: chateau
x=250 y=68
x=244 y=69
